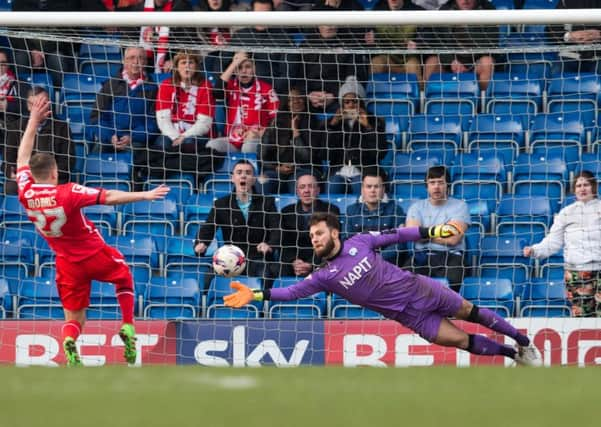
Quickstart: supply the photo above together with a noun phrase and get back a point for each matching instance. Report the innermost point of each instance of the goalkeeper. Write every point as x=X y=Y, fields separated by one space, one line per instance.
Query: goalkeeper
x=354 y=270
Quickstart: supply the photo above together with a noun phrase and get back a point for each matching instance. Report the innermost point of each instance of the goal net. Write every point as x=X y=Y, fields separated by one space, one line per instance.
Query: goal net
x=364 y=116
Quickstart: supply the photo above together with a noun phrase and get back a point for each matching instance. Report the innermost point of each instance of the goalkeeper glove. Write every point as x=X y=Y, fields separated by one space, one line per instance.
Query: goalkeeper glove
x=242 y=296
x=449 y=229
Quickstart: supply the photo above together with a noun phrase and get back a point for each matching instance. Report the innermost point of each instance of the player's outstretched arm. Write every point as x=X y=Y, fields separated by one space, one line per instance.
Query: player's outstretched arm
x=40 y=110
x=116 y=197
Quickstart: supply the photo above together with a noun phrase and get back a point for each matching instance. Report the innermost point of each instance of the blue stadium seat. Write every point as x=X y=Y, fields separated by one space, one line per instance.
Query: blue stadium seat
x=414 y=166
x=105 y=170
x=343 y=309
x=6 y=5
x=540 y=4
x=219 y=287
x=158 y=218
x=545 y=298
x=343 y=201
x=473 y=235
x=408 y=190
x=392 y=95
x=6 y=305
x=576 y=93
x=283 y=200
x=369 y=4
x=16 y=255
x=180 y=257
x=452 y=94
x=478 y=177
x=98 y=52
x=105 y=217
x=103 y=302
x=558 y=134
x=436 y=133
x=38 y=299
x=536 y=174
x=552 y=271
x=479 y=213
x=42 y=79
x=312 y=307
x=196 y=211
x=502 y=257
x=172 y=297
x=493 y=293
x=396 y=131
x=101 y=70
x=136 y=249
x=514 y=94
x=179 y=190
x=78 y=117
x=497 y=135
x=524 y=59
x=79 y=89
x=526 y=216
x=13 y=213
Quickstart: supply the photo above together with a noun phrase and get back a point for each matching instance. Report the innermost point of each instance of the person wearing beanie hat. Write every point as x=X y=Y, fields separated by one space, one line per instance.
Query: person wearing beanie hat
x=354 y=139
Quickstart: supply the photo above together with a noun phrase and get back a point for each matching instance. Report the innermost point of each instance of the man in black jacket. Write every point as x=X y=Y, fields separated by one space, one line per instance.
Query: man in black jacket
x=297 y=256
x=249 y=221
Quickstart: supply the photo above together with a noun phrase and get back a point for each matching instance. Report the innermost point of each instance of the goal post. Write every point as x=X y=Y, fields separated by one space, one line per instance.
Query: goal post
x=505 y=100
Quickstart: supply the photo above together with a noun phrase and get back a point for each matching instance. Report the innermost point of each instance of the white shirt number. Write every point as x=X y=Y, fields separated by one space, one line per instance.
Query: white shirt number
x=54 y=216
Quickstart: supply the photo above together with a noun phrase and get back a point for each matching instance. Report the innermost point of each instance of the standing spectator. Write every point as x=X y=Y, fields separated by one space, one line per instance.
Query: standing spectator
x=291 y=145
x=376 y=212
x=276 y=67
x=577 y=228
x=124 y=115
x=215 y=36
x=297 y=257
x=403 y=35
x=52 y=136
x=249 y=221
x=185 y=110
x=11 y=93
x=576 y=61
x=440 y=257
x=250 y=103
x=462 y=38
x=354 y=140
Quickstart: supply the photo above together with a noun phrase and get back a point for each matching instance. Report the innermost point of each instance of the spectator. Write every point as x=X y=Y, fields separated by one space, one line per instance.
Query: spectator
x=440 y=257
x=399 y=36
x=215 y=36
x=297 y=257
x=354 y=140
x=123 y=118
x=462 y=38
x=11 y=94
x=576 y=61
x=251 y=104
x=376 y=212
x=291 y=145
x=576 y=228
x=161 y=36
x=185 y=110
x=249 y=221
x=53 y=136
x=326 y=67
x=276 y=67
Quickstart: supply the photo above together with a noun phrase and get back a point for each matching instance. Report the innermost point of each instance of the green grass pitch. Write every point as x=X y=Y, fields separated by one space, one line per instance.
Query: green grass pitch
x=307 y=397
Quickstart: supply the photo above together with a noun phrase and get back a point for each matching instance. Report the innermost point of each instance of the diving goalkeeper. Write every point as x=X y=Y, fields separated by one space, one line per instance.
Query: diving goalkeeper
x=354 y=270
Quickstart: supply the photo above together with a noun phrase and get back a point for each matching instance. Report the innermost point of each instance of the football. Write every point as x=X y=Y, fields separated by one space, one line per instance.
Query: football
x=229 y=261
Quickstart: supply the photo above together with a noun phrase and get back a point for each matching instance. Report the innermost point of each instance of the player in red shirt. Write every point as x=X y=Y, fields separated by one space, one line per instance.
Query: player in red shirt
x=81 y=253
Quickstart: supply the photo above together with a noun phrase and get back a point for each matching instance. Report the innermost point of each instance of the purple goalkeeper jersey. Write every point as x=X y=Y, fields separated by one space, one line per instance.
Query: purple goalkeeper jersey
x=359 y=274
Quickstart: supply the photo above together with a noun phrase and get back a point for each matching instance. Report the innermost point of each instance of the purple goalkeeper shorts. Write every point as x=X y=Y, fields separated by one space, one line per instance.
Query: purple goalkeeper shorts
x=430 y=303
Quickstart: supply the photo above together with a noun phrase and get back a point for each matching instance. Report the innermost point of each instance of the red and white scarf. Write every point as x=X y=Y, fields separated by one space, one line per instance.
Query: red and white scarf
x=133 y=83
x=147 y=35
x=6 y=82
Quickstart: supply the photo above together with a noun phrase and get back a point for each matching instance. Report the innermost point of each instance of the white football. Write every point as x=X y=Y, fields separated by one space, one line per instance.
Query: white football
x=229 y=261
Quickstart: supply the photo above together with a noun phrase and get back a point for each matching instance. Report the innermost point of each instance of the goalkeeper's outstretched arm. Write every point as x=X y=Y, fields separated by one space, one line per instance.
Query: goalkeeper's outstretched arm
x=245 y=295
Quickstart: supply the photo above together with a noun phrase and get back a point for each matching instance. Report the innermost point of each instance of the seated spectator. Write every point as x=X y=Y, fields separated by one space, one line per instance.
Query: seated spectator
x=123 y=118
x=376 y=212
x=297 y=256
x=291 y=145
x=12 y=94
x=399 y=36
x=354 y=140
x=249 y=221
x=250 y=103
x=53 y=136
x=274 y=67
x=185 y=110
x=576 y=61
x=439 y=257
x=461 y=38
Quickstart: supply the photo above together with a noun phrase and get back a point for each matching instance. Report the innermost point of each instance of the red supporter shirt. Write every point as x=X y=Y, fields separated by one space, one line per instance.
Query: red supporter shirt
x=184 y=104
x=55 y=210
x=247 y=108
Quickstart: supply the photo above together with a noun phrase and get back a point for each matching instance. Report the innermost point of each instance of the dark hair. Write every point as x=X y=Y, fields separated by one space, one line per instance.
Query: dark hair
x=590 y=177
x=375 y=172
x=36 y=90
x=41 y=164
x=269 y=2
x=438 y=172
x=243 y=162
x=330 y=219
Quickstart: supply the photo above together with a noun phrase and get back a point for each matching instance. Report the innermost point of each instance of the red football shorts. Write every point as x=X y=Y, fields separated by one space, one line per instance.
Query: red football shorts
x=74 y=279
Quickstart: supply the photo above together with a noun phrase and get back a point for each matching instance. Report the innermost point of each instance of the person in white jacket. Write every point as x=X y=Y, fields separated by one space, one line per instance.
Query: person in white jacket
x=577 y=228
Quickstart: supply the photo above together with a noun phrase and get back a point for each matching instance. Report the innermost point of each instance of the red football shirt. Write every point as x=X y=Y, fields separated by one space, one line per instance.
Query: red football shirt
x=55 y=210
